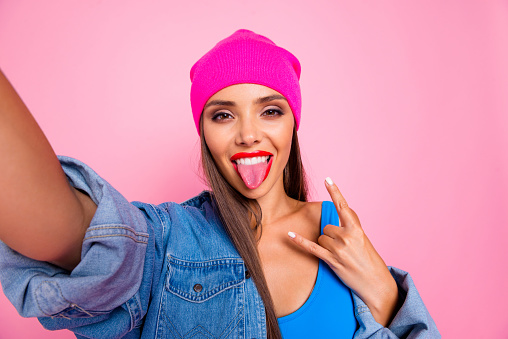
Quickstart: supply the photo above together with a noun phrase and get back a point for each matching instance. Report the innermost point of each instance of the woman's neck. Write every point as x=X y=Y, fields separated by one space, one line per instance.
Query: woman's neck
x=276 y=204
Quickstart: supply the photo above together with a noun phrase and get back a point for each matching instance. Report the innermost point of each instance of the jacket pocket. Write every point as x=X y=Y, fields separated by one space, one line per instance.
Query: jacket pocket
x=203 y=299
x=200 y=281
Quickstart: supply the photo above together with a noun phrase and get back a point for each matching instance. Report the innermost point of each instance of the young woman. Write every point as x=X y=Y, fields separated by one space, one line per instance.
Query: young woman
x=251 y=258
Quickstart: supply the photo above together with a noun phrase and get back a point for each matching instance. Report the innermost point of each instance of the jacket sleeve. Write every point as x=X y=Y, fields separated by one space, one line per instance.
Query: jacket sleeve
x=111 y=284
x=412 y=320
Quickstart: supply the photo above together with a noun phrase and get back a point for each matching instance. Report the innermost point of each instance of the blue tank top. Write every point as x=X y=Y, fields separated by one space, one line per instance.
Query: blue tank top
x=329 y=310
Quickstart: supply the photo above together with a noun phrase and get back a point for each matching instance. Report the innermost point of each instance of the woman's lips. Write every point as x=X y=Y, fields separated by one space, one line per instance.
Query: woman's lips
x=249 y=155
x=243 y=155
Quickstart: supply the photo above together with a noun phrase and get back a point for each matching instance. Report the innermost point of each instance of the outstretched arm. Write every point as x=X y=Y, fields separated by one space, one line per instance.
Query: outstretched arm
x=41 y=215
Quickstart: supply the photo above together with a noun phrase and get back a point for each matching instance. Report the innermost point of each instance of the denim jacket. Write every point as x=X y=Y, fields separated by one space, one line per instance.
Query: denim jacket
x=163 y=271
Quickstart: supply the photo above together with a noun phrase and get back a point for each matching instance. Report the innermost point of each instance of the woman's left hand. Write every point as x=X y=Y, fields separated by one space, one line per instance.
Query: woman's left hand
x=350 y=254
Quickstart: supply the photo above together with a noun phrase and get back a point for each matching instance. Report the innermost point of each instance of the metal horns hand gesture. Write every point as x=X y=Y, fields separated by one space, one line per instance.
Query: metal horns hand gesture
x=350 y=254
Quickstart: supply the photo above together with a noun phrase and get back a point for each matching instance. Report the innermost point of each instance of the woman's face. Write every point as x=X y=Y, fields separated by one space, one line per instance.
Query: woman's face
x=248 y=129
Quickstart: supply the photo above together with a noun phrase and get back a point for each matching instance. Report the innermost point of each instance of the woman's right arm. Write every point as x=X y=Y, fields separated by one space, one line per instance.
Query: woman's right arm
x=41 y=215
x=57 y=209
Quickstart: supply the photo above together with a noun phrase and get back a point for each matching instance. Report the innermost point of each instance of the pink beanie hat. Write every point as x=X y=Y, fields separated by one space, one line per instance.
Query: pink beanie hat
x=245 y=57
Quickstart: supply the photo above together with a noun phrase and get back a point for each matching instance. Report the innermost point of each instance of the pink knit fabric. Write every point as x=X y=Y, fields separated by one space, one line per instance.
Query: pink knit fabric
x=245 y=57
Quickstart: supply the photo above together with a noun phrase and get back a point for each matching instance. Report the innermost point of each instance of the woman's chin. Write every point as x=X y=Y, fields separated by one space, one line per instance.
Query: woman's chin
x=254 y=193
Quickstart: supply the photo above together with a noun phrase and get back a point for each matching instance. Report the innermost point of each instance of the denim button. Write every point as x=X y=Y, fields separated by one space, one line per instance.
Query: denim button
x=247 y=274
x=198 y=288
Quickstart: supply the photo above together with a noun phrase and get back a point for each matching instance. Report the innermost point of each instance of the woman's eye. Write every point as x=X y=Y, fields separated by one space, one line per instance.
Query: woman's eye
x=272 y=112
x=221 y=116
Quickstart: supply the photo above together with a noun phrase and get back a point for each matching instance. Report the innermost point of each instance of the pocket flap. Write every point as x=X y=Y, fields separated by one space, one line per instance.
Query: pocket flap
x=199 y=281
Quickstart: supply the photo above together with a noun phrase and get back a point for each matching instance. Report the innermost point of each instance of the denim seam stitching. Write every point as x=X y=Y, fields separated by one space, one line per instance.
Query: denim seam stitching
x=200 y=332
x=244 y=331
x=230 y=326
x=161 y=310
x=172 y=328
x=184 y=263
x=131 y=315
x=210 y=294
x=73 y=305
x=140 y=311
x=362 y=309
x=111 y=226
x=133 y=311
x=207 y=266
x=117 y=235
x=160 y=217
x=61 y=295
x=263 y=316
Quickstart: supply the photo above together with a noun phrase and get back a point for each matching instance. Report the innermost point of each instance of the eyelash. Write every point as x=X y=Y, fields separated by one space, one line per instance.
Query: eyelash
x=279 y=112
x=219 y=114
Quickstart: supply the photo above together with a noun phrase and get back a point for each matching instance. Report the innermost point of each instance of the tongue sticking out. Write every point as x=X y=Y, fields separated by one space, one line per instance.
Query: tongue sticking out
x=253 y=175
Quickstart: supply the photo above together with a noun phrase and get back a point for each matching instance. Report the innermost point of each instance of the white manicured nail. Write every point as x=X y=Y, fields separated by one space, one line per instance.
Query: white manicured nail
x=292 y=235
x=329 y=181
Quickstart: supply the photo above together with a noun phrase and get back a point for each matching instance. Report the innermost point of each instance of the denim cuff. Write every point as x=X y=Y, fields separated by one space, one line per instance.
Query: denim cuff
x=112 y=259
x=412 y=319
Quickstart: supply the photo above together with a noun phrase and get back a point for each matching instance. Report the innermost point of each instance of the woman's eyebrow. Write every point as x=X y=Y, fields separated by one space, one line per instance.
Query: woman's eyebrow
x=256 y=102
x=269 y=98
x=220 y=103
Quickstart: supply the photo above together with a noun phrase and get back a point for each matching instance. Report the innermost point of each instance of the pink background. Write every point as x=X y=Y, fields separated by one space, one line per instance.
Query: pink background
x=405 y=106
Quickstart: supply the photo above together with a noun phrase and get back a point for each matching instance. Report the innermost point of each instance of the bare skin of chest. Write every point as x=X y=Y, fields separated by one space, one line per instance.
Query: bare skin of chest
x=290 y=272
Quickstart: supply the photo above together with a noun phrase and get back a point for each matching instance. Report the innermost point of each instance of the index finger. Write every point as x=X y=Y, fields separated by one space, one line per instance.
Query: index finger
x=311 y=247
x=339 y=201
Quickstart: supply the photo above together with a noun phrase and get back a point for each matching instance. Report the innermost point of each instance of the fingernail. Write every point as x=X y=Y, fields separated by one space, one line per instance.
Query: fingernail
x=292 y=235
x=329 y=181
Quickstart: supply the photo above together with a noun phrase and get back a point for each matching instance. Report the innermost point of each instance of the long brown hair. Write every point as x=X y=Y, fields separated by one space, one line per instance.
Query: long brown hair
x=237 y=212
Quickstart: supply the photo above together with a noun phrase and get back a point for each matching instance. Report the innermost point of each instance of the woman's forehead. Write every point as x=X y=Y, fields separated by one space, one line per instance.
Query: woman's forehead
x=243 y=92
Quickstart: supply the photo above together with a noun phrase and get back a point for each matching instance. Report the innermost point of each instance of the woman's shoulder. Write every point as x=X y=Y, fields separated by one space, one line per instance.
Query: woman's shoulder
x=313 y=208
x=319 y=213
x=316 y=208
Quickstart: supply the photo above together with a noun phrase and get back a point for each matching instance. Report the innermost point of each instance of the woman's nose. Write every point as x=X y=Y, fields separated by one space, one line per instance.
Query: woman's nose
x=248 y=133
